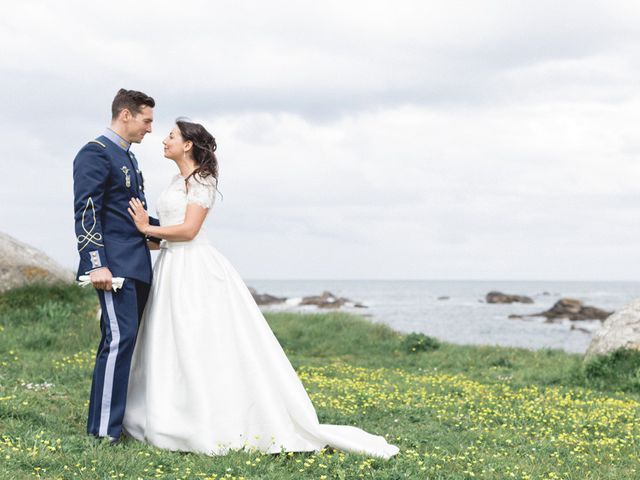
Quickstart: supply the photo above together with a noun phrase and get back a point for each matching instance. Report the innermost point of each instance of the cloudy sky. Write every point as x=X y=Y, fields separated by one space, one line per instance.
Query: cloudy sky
x=362 y=139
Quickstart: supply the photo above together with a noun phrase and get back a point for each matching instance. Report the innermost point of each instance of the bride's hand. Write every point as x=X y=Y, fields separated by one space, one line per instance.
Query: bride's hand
x=139 y=215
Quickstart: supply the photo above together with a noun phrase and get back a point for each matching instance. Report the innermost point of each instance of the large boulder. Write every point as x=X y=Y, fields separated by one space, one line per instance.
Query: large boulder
x=620 y=330
x=569 y=309
x=21 y=264
x=499 y=297
x=573 y=310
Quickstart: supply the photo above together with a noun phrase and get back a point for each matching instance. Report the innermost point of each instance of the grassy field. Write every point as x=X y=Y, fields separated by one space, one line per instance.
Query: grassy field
x=455 y=412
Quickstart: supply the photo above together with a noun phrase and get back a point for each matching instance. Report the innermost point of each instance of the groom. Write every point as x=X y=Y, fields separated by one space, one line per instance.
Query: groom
x=105 y=177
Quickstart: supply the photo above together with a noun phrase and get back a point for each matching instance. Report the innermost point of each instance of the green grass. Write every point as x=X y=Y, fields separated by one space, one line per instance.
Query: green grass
x=456 y=412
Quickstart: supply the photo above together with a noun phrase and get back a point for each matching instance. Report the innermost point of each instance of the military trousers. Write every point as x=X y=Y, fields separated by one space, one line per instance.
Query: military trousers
x=119 y=322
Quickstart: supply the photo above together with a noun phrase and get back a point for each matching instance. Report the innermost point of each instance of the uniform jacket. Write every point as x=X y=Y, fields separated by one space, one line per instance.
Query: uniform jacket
x=105 y=177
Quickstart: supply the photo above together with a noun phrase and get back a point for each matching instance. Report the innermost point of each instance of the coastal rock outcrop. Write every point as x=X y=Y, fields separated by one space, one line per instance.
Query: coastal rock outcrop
x=620 y=330
x=327 y=300
x=573 y=309
x=499 y=297
x=569 y=309
x=21 y=264
x=265 y=298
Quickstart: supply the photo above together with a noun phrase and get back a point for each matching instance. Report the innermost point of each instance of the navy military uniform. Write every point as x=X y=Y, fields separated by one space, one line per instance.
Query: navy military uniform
x=105 y=177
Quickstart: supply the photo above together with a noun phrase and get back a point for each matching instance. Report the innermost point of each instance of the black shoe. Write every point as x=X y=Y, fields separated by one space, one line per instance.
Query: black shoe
x=113 y=441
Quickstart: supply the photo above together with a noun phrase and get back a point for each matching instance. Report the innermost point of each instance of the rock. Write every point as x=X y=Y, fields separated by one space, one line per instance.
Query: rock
x=570 y=309
x=499 y=297
x=444 y=297
x=620 y=330
x=329 y=300
x=326 y=300
x=573 y=309
x=564 y=307
x=265 y=298
x=21 y=264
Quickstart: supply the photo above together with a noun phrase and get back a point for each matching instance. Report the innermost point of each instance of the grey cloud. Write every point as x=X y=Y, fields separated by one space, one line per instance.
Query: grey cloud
x=406 y=139
x=320 y=69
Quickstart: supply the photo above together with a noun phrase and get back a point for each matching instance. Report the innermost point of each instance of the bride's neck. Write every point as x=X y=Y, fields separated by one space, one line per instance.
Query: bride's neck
x=186 y=166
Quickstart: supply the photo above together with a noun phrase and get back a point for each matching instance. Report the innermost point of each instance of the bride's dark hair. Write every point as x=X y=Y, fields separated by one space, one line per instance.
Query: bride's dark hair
x=203 y=150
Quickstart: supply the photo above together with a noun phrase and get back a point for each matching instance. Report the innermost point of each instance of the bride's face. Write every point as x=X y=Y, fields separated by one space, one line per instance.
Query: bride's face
x=174 y=145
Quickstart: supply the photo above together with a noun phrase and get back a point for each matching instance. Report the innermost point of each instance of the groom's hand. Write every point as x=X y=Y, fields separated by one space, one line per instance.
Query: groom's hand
x=101 y=278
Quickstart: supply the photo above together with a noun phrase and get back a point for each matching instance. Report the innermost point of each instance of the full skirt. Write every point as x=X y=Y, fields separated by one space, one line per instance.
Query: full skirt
x=208 y=374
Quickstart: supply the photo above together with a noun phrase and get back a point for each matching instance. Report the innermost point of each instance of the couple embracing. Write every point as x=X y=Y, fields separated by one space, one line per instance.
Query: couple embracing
x=186 y=360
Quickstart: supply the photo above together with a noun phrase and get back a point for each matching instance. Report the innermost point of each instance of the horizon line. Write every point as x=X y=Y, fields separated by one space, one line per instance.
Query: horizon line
x=393 y=279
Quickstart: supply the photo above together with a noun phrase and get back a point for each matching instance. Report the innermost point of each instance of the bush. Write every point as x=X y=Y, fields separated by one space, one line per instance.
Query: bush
x=419 y=342
x=619 y=370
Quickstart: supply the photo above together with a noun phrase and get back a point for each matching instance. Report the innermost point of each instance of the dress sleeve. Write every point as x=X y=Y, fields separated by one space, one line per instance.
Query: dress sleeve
x=201 y=191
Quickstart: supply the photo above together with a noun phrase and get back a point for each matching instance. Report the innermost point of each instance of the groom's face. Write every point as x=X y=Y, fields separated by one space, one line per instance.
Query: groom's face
x=140 y=124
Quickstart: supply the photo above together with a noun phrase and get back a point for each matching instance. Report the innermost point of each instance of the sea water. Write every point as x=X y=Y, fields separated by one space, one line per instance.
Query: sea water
x=464 y=317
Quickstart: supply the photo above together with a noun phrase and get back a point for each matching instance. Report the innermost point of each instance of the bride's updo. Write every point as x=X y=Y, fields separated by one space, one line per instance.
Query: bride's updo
x=203 y=150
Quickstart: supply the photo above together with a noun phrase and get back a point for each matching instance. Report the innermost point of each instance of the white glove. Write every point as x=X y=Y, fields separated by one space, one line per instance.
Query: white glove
x=116 y=282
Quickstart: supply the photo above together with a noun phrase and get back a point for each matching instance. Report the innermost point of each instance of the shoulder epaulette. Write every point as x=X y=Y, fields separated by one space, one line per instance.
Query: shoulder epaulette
x=98 y=142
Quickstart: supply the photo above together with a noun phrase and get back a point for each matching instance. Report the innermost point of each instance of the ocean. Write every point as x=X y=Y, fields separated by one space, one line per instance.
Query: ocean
x=464 y=318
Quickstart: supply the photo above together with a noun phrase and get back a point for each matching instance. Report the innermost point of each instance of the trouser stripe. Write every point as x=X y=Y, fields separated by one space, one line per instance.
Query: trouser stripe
x=107 y=390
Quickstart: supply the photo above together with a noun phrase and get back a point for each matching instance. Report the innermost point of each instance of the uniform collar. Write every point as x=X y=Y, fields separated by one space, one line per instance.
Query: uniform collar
x=117 y=139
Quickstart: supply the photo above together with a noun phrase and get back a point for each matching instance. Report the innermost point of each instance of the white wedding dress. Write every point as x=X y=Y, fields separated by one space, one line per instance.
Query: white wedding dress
x=207 y=374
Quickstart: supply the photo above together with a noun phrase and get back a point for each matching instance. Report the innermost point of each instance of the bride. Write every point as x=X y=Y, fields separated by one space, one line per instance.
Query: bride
x=208 y=375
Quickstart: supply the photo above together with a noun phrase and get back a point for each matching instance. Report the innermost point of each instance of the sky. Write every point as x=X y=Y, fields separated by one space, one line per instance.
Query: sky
x=361 y=139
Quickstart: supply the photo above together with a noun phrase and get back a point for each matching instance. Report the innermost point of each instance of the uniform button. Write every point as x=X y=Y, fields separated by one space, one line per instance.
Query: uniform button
x=139 y=188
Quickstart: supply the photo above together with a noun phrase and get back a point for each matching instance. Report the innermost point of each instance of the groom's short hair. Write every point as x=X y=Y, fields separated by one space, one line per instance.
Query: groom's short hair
x=132 y=100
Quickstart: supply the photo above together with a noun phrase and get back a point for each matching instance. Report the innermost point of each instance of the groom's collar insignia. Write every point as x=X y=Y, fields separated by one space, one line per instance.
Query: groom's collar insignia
x=117 y=139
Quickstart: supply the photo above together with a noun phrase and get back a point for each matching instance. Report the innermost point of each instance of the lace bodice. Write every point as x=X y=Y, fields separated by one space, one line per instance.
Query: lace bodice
x=172 y=204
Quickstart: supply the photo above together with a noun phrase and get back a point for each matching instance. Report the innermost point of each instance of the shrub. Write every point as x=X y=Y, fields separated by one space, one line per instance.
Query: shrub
x=419 y=342
x=619 y=370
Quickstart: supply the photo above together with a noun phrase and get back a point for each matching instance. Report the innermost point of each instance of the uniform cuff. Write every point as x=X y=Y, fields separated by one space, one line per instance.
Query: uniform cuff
x=94 y=269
